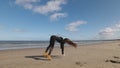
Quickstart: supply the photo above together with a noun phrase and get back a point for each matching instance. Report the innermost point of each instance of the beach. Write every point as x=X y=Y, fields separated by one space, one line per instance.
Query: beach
x=99 y=55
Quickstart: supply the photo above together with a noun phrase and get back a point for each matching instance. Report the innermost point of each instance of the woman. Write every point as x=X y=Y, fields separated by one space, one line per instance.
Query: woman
x=60 y=40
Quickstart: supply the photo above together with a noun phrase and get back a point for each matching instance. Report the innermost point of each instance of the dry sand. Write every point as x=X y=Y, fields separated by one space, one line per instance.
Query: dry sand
x=104 y=55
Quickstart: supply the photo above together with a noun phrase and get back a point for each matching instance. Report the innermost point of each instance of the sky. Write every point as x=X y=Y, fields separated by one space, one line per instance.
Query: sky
x=74 y=19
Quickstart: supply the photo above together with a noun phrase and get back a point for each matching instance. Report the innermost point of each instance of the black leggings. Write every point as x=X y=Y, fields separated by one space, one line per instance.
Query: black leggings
x=51 y=45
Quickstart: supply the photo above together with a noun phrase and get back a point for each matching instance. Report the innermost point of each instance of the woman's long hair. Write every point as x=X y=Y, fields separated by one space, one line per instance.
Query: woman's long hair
x=68 y=41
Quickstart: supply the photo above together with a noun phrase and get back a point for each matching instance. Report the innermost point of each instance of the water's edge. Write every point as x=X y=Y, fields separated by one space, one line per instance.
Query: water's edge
x=8 y=45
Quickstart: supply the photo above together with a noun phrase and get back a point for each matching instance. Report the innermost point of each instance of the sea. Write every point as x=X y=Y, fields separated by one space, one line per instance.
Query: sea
x=10 y=45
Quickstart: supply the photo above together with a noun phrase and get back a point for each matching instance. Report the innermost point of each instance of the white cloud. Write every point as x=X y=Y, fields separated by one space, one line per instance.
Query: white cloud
x=110 y=32
x=73 y=26
x=25 y=1
x=107 y=32
x=55 y=16
x=19 y=30
x=118 y=25
x=51 y=6
x=27 y=4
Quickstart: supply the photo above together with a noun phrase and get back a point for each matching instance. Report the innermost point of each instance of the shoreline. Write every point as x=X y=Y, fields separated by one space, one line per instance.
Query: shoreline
x=79 y=44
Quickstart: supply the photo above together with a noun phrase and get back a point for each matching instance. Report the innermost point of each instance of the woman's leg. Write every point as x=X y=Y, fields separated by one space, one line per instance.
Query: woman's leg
x=50 y=47
x=51 y=44
x=47 y=48
x=62 y=48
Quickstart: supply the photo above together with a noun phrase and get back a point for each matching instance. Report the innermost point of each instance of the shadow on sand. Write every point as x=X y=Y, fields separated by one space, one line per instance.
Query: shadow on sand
x=41 y=57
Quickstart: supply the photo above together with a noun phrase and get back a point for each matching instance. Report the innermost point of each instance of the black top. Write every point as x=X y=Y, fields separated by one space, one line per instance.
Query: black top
x=58 y=38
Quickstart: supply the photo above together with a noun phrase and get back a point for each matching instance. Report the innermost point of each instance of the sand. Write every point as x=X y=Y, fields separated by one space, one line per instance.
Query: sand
x=104 y=55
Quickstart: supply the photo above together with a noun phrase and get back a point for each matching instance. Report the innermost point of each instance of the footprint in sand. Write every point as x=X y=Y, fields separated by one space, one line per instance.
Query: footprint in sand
x=81 y=64
x=116 y=57
x=114 y=60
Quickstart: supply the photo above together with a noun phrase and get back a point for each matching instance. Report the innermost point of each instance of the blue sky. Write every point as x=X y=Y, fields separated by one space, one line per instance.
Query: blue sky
x=75 y=19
